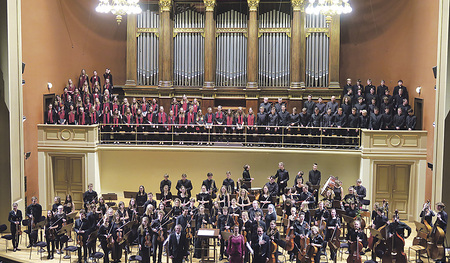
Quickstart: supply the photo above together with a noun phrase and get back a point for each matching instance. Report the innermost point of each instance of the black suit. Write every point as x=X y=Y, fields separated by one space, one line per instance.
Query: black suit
x=261 y=252
x=178 y=249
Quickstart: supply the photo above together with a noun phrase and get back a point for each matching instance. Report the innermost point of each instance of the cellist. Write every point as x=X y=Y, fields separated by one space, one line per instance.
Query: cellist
x=333 y=222
x=316 y=240
x=379 y=221
x=355 y=235
x=301 y=230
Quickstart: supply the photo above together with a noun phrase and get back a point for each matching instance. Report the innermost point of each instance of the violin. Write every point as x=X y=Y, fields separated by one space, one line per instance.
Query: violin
x=18 y=229
x=188 y=229
x=111 y=238
x=148 y=240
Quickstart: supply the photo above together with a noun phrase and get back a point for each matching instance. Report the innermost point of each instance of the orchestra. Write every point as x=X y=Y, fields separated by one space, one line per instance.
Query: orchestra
x=254 y=225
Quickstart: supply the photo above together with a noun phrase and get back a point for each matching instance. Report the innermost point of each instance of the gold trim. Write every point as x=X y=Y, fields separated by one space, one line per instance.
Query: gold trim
x=315 y=30
x=147 y=30
x=285 y=30
x=209 y=5
x=188 y=30
x=253 y=5
x=298 y=5
x=165 y=5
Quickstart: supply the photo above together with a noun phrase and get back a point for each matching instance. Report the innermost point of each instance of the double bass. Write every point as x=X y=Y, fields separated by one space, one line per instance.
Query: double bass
x=435 y=246
x=395 y=248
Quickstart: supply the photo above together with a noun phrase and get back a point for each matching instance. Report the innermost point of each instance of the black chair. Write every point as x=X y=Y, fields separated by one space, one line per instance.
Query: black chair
x=41 y=246
x=96 y=256
x=69 y=249
x=3 y=228
x=7 y=237
x=25 y=223
x=136 y=258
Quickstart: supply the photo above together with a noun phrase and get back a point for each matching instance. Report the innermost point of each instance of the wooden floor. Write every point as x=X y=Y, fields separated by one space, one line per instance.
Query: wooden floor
x=24 y=253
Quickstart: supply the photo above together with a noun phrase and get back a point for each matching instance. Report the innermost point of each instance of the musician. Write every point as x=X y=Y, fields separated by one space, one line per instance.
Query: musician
x=178 y=245
x=356 y=234
x=150 y=200
x=360 y=190
x=201 y=220
x=243 y=200
x=34 y=213
x=245 y=225
x=272 y=186
x=15 y=220
x=164 y=182
x=253 y=210
x=57 y=202
x=150 y=213
x=50 y=238
x=159 y=228
x=261 y=246
x=246 y=174
x=266 y=198
x=351 y=210
x=60 y=219
x=441 y=217
x=229 y=183
x=316 y=240
x=141 y=196
x=333 y=222
x=210 y=185
x=314 y=177
x=321 y=214
x=427 y=214
x=184 y=219
x=215 y=213
x=204 y=198
x=301 y=230
x=338 y=191
x=82 y=229
x=186 y=183
x=379 y=220
x=225 y=224
x=234 y=210
x=257 y=222
x=306 y=196
x=224 y=197
x=166 y=196
x=90 y=196
x=176 y=209
x=282 y=177
x=144 y=240
x=191 y=206
x=184 y=198
x=304 y=209
x=236 y=247
x=398 y=227
x=349 y=198
x=274 y=235
x=297 y=177
x=101 y=208
x=271 y=215
x=122 y=214
x=103 y=234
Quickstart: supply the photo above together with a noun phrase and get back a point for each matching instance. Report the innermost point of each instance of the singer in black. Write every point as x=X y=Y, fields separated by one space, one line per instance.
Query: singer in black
x=15 y=220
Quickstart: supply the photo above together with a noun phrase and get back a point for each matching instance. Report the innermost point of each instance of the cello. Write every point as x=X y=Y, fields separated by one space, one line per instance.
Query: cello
x=290 y=237
x=395 y=247
x=356 y=246
x=273 y=248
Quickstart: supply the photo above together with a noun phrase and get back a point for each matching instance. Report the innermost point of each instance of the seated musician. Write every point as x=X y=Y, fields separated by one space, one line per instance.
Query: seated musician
x=132 y=210
x=271 y=215
x=301 y=230
x=210 y=185
x=316 y=240
x=351 y=210
x=253 y=210
x=177 y=209
x=215 y=213
x=50 y=237
x=150 y=201
x=204 y=198
x=304 y=209
x=396 y=226
x=287 y=194
x=427 y=214
x=349 y=198
x=159 y=229
x=333 y=222
x=82 y=229
x=306 y=196
x=150 y=213
x=265 y=199
x=225 y=224
x=234 y=210
x=144 y=240
x=191 y=206
x=321 y=214
x=243 y=200
x=272 y=186
x=183 y=196
x=224 y=197
x=166 y=196
x=354 y=235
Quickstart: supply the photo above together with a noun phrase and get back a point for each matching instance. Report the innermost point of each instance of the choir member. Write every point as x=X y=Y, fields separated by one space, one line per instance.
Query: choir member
x=411 y=120
x=251 y=122
x=332 y=104
x=266 y=105
x=399 y=120
x=261 y=122
x=219 y=118
x=15 y=220
x=34 y=213
x=282 y=176
x=310 y=105
x=279 y=105
x=320 y=105
x=50 y=116
x=387 y=119
x=240 y=121
x=200 y=127
x=273 y=121
x=284 y=119
x=229 y=125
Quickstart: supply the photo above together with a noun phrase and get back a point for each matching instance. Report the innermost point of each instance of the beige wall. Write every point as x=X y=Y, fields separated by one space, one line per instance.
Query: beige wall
x=125 y=168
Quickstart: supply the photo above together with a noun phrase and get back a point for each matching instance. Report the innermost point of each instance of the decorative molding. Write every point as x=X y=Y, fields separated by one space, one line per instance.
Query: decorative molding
x=165 y=5
x=285 y=30
x=209 y=5
x=315 y=30
x=253 y=5
x=298 y=5
x=147 y=30
x=188 y=30
x=232 y=30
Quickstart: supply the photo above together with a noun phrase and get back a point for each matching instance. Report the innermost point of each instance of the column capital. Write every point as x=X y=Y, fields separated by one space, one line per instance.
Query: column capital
x=253 y=5
x=298 y=5
x=165 y=5
x=209 y=5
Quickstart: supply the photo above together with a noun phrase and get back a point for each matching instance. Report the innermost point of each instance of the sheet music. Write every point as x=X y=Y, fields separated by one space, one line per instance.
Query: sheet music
x=205 y=232
x=250 y=248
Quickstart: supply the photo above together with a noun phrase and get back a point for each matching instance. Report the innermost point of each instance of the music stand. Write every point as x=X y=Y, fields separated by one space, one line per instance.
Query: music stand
x=129 y=194
x=110 y=197
x=71 y=216
x=376 y=233
x=207 y=234
x=336 y=204
x=226 y=235
x=66 y=230
x=38 y=227
x=421 y=227
x=348 y=221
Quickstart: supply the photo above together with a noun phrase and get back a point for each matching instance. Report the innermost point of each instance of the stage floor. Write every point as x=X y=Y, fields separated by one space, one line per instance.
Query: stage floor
x=24 y=254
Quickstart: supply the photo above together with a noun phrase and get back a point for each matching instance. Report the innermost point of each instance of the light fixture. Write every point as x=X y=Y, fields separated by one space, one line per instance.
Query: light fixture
x=49 y=85
x=119 y=8
x=328 y=8
x=419 y=90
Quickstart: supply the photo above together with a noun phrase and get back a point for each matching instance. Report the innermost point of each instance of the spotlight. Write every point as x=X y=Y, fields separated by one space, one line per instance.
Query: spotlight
x=49 y=85
x=419 y=90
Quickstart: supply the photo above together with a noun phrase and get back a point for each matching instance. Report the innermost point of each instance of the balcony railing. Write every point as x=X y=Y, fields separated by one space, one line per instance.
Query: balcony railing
x=223 y=135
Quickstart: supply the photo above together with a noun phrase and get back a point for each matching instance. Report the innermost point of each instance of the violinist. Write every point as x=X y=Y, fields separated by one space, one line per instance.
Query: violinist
x=316 y=240
x=159 y=228
x=210 y=185
x=60 y=219
x=150 y=201
x=134 y=217
x=274 y=235
x=50 y=237
x=225 y=224
x=102 y=207
x=15 y=220
x=150 y=213
x=441 y=217
x=144 y=240
x=103 y=234
x=253 y=210
x=333 y=222
x=236 y=248
x=204 y=198
x=34 y=213
x=265 y=199
x=243 y=200
x=216 y=212
x=117 y=231
x=57 y=202
x=141 y=196
x=166 y=196
x=229 y=183
x=183 y=197
x=186 y=183
x=122 y=214
x=82 y=228
x=191 y=206
x=201 y=221
x=256 y=223
x=271 y=215
x=272 y=186
x=184 y=219
x=224 y=197
x=427 y=214
x=234 y=210
x=354 y=236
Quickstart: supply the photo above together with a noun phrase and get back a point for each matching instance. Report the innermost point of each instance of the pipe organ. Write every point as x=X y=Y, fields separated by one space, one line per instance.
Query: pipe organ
x=245 y=50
